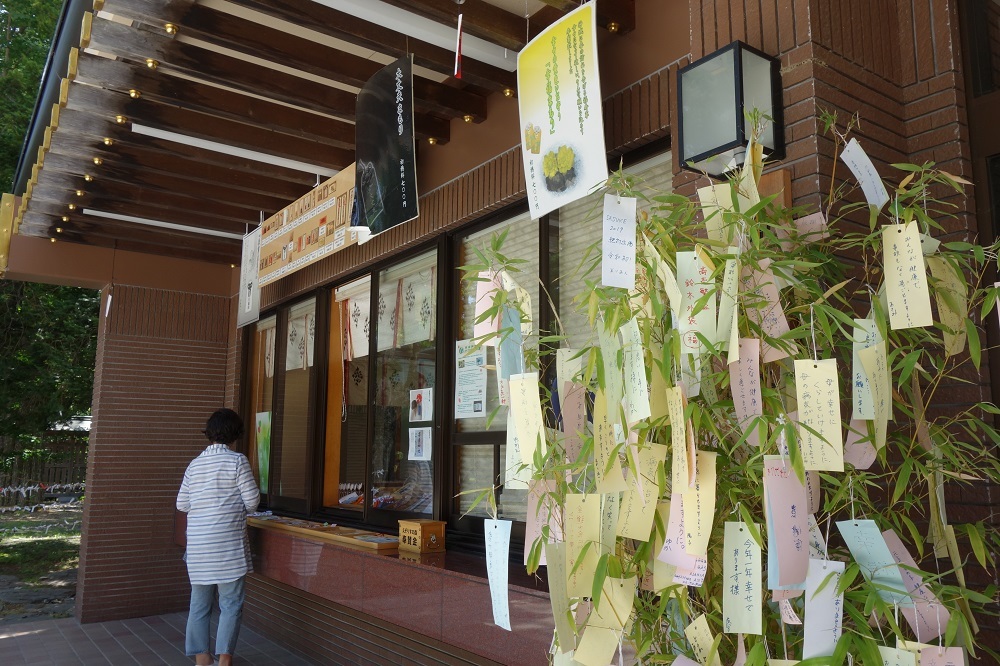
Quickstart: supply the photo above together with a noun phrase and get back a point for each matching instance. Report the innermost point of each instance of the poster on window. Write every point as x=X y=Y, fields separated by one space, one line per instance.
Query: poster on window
x=420 y=444
x=388 y=314
x=470 y=380
x=359 y=314
x=386 y=165
x=249 y=306
x=263 y=440
x=416 y=305
x=295 y=351
x=269 y=339
x=421 y=405
x=559 y=101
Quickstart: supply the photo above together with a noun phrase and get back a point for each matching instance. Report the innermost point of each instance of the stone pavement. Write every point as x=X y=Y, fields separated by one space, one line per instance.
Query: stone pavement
x=149 y=640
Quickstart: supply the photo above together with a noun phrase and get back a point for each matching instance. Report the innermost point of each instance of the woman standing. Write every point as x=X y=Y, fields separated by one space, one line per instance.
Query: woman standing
x=217 y=493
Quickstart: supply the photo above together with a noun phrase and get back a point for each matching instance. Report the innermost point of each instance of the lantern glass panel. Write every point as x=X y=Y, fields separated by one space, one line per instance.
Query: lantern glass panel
x=709 y=105
x=757 y=93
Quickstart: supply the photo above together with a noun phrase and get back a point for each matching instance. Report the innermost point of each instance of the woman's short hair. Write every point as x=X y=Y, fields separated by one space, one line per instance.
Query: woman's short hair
x=224 y=426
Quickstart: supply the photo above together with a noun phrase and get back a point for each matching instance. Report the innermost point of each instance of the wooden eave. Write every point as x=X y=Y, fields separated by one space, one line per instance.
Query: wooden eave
x=156 y=86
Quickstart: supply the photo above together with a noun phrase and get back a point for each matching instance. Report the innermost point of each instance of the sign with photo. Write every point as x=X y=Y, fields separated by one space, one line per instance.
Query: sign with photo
x=559 y=100
x=249 y=307
x=386 y=163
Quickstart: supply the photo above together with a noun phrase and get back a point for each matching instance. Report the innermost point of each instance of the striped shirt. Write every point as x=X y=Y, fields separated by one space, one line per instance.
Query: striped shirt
x=217 y=493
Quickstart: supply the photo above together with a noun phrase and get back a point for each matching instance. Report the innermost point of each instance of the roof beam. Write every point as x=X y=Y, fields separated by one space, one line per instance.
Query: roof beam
x=205 y=98
x=263 y=41
x=341 y=25
x=207 y=65
x=115 y=108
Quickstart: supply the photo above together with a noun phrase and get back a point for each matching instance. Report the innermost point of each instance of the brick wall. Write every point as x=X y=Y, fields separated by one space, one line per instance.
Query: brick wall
x=161 y=366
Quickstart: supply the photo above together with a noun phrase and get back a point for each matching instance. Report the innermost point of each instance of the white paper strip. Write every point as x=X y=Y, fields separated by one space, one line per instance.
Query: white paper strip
x=497 y=551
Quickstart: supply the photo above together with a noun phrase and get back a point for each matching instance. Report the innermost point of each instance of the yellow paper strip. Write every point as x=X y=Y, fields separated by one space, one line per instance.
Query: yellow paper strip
x=905 y=277
x=819 y=408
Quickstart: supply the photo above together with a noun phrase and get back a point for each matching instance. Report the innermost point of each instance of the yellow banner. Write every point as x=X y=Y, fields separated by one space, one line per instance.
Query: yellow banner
x=309 y=229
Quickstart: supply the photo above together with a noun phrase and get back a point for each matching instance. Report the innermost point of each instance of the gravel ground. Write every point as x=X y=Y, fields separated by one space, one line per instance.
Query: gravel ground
x=54 y=594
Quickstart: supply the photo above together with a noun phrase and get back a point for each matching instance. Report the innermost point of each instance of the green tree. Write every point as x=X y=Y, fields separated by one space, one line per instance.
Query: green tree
x=48 y=341
x=26 y=29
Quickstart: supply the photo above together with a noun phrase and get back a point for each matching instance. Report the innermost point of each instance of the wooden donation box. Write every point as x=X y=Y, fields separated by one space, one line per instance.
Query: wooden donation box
x=423 y=536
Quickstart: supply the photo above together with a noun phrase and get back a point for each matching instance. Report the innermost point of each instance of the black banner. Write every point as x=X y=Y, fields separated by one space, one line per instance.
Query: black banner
x=386 y=185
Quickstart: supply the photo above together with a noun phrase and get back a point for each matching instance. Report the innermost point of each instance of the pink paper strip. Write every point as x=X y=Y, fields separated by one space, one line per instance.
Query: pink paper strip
x=787 y=504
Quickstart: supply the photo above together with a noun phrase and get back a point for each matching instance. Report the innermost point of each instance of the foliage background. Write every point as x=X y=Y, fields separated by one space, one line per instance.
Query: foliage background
x=48 y=333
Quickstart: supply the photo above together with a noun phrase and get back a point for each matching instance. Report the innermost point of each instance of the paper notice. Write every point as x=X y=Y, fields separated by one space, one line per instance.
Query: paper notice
x=817 y=544
x=674 y=550
x=486 y=289
x=868 y=547
x=876 y=367
x=699 y=505
x=858 y=449
x=582 y=526
x=788 y=614
x=741 y=572
x=719 y=209
x=636 y=387
x=607 y=466
x=939 y=656
x=817 y=390
x=896 y=657
x=699 y=635
x=787 y=524
x=618 y=247
x=569 y=365
x=609 y=522
x=762 y=304
x=808 y=229
x=744 y=382
x=727 y=300
x=861 y=166
x=526 y=409
x=574 y=419
x=905 y=277
x=420 y=441
x=602 y=635
x=555 y=558
x=679 y=472
x=613 y=389
x=824 y=609
x=470 y=380
x=542 y=510
x=497 y=549
x=866 y=335
x=924 y=613
x=638 y=507
x=516 y=472
x=698 y=307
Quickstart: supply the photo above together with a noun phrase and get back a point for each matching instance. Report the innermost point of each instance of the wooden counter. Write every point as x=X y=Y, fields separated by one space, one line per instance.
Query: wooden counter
x=306 y=529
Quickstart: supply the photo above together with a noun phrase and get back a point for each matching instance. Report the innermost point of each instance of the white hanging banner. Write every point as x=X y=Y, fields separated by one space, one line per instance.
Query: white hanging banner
x=249 y=307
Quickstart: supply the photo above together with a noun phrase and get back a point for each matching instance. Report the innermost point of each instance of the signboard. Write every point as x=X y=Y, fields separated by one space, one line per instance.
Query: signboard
x=386 y=164
x=559 y=100
x=314 y=226
x=249 y=308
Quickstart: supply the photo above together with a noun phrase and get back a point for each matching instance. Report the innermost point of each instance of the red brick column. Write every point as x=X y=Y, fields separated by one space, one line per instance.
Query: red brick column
x=161 y=370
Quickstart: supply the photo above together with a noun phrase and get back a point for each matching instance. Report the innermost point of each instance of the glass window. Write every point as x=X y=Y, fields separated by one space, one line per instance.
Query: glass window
x=261 y=399
x=347 y=397
x=579 y=241
x=401 y=462
x=293 y=444
x=479 y=452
